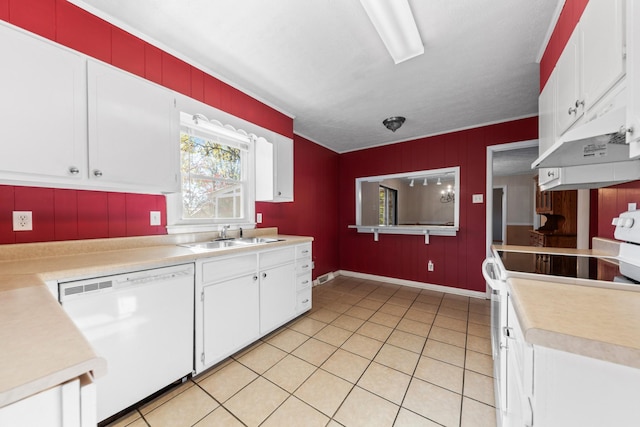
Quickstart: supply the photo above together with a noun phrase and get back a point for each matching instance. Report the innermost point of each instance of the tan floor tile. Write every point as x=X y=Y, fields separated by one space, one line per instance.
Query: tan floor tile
x=288 y=340
x=126 y=420
x=294 y=412
x=444 y=352
x=262 y=358
x=350 y=299
x=365 y=409
x=254 y=403
x=420 y=316
x=213 y=369
x=290 y=373
x=314 y=351
x=228 y=381
x=429 y=298
x=457 y=304
x=219 y=417
x=140 y=422
x=480 y=319
x=436 y=403
x=481 y=345
x=476 y=414
x=397 y=358
x=408 y=341
x=362 y=346
x=479 y=387
x=185 y=409
x=407 y=292
x=478 y=362
x=385 y=382
x=407 y=418
x=393 y=309
x=375 y=331
x=414 y=327
x=481 y=331
x=426 y=307
x=334 y=423
x=451 y=323
x=324 y=315
x=402 y=302
x=385 y=319
x=379 y=296
x=360 y=312
x=165 y=397
x=324 y=391
x=349 y=323
x=370 y=304
x=448 y=336
x=338 y=307
x=333 y=335
x=480 y=307
x=307 y=326
x=454 y=313
x=440 y=373
x=346 y=365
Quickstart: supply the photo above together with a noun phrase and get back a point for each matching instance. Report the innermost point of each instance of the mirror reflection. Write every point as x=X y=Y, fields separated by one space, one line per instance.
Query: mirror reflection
x=422 y=199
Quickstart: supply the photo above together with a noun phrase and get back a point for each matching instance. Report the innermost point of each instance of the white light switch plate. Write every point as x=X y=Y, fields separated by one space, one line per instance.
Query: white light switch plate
x=478 y=198
x=259 y=218
x=154 y=218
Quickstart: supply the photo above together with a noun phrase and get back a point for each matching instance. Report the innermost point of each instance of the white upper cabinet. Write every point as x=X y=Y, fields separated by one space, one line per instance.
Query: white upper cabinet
x=633 y=79
x=133 y=131
x=274 y=169
x=569 y=101
x=43 y=109
x=546 y=115
x=603 y=54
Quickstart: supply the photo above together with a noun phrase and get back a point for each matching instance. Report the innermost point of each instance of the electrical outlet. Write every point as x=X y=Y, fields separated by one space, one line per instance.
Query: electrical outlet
x=22 y=221
x=477 y=198
x=154 y=218
x=430 y=266
x=259 y=218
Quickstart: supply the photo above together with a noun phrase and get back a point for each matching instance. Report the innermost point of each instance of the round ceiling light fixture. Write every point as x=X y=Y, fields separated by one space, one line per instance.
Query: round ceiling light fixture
x=393 y=123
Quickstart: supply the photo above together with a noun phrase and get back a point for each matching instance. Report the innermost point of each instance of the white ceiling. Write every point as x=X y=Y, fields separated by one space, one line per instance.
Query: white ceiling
x=322 y=62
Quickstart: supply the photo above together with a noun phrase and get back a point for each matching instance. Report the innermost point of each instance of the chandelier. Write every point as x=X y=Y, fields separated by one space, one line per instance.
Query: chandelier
x=447 y=195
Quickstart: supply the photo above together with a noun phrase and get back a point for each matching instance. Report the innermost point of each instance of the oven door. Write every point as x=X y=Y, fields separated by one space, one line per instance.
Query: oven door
x=498 y=291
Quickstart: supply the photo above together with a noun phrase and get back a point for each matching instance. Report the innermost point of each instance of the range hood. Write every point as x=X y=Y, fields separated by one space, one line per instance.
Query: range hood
x=592 y=176
x=602 y=140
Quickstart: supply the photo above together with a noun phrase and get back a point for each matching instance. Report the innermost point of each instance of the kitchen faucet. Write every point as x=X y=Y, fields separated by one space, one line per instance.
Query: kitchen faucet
x=223 y=231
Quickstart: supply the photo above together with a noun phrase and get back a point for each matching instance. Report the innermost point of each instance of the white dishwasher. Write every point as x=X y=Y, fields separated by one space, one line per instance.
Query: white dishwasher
x=142 y=324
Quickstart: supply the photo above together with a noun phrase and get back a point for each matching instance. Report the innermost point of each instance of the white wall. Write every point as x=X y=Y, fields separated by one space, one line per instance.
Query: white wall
x=520 y=196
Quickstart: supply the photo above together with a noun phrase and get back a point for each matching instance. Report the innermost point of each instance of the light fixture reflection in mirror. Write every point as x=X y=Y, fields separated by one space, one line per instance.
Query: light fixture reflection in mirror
x=391 y=201
x=447 y=196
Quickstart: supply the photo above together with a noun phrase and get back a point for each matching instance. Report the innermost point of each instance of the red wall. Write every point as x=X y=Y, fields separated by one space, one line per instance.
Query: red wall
x=314 y=211
x=611 y=201
x=457 y=259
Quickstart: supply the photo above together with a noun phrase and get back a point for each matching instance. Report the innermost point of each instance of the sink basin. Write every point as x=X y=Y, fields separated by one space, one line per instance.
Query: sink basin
x=229 y=243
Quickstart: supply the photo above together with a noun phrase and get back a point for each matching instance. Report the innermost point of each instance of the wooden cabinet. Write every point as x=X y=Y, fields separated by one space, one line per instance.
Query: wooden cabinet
x=274 y=169
x=240 y=298
x=43 y=108
x=133 y=131
x=71 y=404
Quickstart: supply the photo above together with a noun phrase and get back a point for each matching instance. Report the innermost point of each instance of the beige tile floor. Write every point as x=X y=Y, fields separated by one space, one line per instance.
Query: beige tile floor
x=367 y=354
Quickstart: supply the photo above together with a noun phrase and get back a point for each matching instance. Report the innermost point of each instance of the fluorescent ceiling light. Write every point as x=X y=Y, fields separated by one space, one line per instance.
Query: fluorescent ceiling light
x=397 y=28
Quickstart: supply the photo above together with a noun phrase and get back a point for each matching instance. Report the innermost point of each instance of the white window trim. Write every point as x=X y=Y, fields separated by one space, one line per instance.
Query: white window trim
x=175 y=223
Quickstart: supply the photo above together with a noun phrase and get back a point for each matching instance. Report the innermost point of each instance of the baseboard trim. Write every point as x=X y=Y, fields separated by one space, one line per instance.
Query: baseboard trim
x=413 y=284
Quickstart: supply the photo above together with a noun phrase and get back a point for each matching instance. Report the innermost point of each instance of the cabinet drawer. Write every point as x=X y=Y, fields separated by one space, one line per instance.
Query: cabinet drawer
x=303 y=266
x=226 y=268
x=303 y=251
x=277 y=257
x=303 y=301
x=303 y=281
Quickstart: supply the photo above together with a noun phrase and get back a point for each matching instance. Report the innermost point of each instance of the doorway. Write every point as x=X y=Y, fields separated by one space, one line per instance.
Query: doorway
x=499 y=215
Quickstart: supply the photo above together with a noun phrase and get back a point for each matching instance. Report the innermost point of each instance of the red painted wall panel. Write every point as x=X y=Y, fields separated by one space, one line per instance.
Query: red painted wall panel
x=7 y=198
x=93 y=215
x=65 y=214
x=36 y=16
x=40 y=201
x=153 y=64
x=4 y=10
x=82 y=31
x=117 y=210
x=127 y=52
x=457 y=259
x=176 y=74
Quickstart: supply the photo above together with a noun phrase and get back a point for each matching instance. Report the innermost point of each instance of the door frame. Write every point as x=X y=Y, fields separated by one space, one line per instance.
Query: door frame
x=489 y=189
x=504 y=213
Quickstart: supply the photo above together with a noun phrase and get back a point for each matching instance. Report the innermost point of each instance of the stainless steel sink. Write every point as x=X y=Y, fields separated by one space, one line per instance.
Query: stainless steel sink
x=229 y=243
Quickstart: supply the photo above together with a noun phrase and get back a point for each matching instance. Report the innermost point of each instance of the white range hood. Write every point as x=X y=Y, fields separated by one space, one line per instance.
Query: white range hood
x=590 y=176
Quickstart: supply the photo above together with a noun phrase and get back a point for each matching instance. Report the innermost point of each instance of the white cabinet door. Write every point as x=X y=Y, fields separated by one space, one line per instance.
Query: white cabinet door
x=43 y=109
x=603 y=55
x=569 y=106
x=133 y=131
x=231 y=317
x=277 y=296
x=633 y=78
x=274 y=169
x=546 y=115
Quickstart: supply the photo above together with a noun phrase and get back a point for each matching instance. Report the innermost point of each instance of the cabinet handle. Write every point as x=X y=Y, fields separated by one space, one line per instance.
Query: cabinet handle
x=305 y=301
x=551 y=173
x=74 y=170
x=255 y=277
x=279 y=193
x=305 y=251
x=305 y=282
x=305 y=266
x=508 y=332
x=579 y=103
x=264 y=275
x=97 y=173
x=572 y=110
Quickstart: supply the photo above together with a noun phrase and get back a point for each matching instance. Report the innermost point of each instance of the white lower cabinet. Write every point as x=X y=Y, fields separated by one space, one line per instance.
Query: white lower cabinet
x=552 y=388
x=72 y=404
x=240 y=298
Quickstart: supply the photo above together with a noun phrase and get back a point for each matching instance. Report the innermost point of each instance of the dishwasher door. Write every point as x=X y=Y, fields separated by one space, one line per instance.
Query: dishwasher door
x=142 y=324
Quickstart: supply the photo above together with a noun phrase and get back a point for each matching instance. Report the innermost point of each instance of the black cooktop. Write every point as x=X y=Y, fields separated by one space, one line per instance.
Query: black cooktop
x=574 y=266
